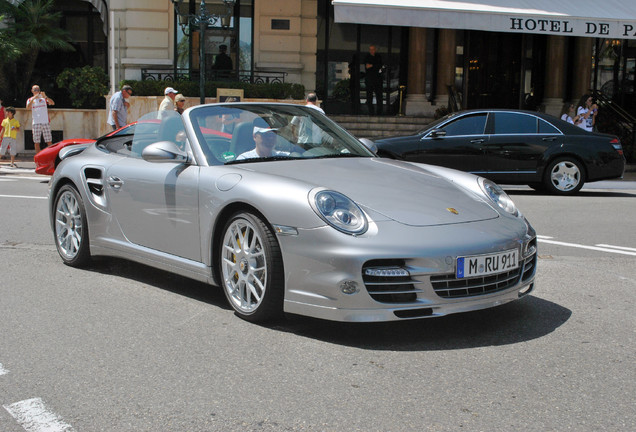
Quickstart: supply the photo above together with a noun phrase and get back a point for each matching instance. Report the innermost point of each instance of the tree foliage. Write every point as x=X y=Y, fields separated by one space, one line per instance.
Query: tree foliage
x=86 y=86
x=30 y=28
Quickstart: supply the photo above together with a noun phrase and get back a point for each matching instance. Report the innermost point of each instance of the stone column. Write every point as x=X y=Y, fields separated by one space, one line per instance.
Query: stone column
x=416 y=102
x=554 y=75
x=445 y=66
x=582 y=67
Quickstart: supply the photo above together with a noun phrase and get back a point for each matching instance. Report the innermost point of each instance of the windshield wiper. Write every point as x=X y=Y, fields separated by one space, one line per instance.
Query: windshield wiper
x=263 y=159
x=337 y=155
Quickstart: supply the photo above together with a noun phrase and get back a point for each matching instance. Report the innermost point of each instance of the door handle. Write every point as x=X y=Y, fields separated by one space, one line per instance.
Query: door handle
x=477 y=141
x=549 y=139
x=115 y=182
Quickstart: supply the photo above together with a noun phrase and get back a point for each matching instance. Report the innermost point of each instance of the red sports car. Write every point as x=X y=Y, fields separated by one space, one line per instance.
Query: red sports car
x=47 y=160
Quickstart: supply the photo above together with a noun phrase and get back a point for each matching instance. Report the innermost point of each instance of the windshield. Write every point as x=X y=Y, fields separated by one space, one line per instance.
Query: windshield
x=244 y=133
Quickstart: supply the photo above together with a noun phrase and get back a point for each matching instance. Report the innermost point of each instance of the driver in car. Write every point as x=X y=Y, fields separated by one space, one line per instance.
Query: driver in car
x=264 y=139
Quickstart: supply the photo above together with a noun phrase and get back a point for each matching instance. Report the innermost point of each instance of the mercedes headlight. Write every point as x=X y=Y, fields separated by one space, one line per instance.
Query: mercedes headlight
x=497 y=195
x=338 y=211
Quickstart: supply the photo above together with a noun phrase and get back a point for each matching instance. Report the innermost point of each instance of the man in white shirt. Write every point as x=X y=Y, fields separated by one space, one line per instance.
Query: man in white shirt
x=167 y=104
x=38 y=104
x=265 y=140
x=304 y=129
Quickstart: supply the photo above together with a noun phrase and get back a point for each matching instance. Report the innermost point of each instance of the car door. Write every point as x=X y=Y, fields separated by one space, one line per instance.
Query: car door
x=516 y=145
x=457 y=144
x=156 y=203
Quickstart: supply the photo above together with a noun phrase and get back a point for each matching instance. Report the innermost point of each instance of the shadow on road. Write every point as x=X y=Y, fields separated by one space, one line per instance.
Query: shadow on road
x=524 y=320
x=161 y=279
x=521 y=321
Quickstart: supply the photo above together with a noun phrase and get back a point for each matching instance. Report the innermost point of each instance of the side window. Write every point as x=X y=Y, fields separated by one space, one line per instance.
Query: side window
x=507 y=123
x=547 y=128
x=468 y=125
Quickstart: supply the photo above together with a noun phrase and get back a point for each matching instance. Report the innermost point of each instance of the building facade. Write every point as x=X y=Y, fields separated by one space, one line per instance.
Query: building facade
x=481 y=54
x=484 y=55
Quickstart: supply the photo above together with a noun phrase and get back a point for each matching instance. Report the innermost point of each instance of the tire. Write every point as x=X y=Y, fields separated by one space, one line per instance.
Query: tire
x=564 y=176
x=251 y=268
x=71 y=227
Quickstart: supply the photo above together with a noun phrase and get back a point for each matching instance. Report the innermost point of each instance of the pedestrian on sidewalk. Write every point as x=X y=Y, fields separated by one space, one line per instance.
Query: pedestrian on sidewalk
x=38 y=104
x=118 y=107
x=2 y=115
x=9 y=133
x=167 y=104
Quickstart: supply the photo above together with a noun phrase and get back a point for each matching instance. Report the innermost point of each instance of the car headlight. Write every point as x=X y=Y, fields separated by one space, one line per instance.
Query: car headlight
x=338 y=211
x=497 y=195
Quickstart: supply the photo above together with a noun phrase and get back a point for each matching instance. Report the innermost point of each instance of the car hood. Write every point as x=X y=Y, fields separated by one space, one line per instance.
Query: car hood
x=403 y=192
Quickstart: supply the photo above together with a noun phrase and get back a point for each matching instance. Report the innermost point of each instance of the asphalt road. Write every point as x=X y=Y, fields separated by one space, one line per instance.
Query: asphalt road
x=122 y=347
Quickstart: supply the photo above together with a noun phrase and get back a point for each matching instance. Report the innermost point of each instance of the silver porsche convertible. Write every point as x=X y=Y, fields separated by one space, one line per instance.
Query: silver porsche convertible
x=288 y=213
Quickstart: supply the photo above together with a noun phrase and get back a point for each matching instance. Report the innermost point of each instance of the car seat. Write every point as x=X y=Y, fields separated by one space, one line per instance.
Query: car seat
x=242 y=138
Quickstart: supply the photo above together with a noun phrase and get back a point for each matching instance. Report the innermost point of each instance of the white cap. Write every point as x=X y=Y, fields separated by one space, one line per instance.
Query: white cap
x=263 y=129
x=169 y=90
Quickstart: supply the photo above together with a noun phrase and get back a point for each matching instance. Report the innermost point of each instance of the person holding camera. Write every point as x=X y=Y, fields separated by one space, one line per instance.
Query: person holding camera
x=587 y=111
x=38 y=104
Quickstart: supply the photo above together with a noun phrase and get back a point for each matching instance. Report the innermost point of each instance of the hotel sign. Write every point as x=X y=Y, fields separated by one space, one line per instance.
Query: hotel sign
x=566 y=27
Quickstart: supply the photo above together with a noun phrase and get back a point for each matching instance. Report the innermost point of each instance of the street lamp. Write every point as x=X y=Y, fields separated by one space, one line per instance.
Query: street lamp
x=203 y=20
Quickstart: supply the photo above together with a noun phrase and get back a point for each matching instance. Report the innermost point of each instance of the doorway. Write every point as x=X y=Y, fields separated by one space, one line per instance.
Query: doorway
x=493 y=70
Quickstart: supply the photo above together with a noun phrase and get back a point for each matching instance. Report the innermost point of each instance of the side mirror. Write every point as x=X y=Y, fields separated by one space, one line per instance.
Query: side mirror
x=369 y=144
x=437 y=133
x=164 y=151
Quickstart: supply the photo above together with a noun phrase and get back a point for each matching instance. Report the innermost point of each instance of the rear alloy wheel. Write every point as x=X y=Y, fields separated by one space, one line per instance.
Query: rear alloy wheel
x=71 y=227
x=252 y=268
x=564 y=176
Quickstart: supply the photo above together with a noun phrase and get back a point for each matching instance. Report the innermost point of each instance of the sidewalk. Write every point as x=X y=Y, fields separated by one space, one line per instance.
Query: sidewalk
x=25 y=166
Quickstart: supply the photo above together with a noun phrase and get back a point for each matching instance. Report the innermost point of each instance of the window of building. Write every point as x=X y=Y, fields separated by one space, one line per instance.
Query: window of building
x=233 y=34
x=340 y=72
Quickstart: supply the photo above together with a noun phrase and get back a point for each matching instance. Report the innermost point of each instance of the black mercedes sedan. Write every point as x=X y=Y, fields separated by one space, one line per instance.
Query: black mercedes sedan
x=513 y=147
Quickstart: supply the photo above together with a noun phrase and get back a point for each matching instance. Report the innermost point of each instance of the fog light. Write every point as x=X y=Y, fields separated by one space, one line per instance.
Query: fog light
x=349 y=287
x=386 y=272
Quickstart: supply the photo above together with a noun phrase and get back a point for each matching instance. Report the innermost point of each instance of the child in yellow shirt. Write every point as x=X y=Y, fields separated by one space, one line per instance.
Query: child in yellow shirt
x=9 y=133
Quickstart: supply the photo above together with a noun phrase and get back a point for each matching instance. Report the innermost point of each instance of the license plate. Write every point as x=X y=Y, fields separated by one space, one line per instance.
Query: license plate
x=483 y=265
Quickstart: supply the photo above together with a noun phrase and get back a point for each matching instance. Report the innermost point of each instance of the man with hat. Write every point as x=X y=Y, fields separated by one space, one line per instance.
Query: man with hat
x=264 y=139
x=167 y=104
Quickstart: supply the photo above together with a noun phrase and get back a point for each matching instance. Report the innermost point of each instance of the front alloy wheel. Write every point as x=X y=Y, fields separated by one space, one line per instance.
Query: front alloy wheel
x=251 y=268
x=565 y=176
x=70 y=227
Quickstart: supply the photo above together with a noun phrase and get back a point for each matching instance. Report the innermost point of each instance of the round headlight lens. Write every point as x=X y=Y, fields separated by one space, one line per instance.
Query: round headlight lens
x=499 y=197
x=340 y=212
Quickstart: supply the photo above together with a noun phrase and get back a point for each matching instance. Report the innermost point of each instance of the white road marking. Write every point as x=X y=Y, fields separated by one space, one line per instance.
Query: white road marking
x=33 y=416
x=544 y=239
x=617 y=247
x=3 y=371
x=22 y=196
x=24 y=177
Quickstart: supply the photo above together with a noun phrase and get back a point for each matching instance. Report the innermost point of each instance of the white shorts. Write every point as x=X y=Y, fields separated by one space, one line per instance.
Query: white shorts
x=12 y=143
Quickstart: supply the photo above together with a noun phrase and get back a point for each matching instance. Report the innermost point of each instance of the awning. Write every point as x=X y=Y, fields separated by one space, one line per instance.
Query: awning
x=615 y=19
